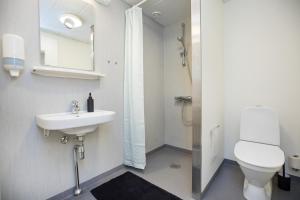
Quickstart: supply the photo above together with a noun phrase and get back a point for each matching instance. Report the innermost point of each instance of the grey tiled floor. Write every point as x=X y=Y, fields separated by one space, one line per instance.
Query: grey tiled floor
x=158 y=172
x=226 y=186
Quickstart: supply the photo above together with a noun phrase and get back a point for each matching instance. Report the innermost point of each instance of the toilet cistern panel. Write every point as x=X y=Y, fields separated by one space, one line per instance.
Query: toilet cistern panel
x=260 y=124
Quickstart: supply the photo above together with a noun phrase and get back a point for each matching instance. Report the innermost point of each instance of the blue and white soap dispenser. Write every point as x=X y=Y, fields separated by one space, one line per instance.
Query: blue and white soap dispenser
x=13 y=54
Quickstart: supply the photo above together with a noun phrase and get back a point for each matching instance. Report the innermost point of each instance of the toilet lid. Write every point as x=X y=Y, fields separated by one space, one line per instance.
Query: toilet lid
x=260 y=155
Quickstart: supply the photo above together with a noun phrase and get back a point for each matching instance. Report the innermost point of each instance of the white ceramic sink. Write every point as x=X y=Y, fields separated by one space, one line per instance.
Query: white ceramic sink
x=74 y=124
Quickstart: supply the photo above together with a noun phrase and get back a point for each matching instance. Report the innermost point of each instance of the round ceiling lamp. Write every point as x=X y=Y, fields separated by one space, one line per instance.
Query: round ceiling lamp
x=70 y=21
x=156 y=14
x=104 y=2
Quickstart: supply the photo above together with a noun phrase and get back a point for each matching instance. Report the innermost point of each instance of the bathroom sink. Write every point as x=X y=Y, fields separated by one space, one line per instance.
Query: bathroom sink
x=74 y=124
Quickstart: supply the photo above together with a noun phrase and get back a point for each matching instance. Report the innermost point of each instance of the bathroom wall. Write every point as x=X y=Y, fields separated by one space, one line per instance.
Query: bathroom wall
x=262 y=45
x=153 y=84
x=212 y=88
x=176 y=83
x=35 y=167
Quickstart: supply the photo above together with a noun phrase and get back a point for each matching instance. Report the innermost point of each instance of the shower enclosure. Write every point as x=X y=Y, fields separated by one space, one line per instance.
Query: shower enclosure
x=172 y=88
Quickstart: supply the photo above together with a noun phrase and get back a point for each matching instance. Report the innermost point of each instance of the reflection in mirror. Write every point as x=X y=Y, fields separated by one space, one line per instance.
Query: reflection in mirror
x=67 y=34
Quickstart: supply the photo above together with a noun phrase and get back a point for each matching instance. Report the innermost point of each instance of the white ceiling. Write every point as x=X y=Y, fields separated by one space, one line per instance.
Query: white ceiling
x=51 y=10
x=172 y=11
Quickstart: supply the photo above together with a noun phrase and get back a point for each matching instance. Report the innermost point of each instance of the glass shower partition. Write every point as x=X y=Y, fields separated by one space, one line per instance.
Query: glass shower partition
x=197 y=101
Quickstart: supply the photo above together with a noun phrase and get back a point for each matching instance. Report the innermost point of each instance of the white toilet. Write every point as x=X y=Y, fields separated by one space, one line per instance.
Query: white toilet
x=258 y=152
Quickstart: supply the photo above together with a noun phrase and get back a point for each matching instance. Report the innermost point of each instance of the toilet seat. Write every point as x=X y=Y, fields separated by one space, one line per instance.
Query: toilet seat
x=259 y=155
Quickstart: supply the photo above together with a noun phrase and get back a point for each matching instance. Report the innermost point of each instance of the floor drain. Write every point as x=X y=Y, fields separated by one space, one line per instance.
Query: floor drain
x=175 y=166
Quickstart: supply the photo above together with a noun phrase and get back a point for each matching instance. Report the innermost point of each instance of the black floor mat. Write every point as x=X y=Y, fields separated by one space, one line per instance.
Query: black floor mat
x=130 y=187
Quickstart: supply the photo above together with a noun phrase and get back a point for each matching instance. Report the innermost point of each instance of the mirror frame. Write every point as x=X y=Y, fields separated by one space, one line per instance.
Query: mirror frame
x=93 y=67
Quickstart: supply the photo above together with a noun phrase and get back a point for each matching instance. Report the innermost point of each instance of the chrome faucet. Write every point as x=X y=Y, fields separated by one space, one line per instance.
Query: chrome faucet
x=75 y=107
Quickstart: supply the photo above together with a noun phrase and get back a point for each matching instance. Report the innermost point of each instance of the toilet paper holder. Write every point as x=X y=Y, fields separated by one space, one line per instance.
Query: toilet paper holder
x=294 y=162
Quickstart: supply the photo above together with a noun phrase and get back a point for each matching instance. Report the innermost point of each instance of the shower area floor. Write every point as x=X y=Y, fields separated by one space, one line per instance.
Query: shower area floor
x=167 y=168
x=170 y=169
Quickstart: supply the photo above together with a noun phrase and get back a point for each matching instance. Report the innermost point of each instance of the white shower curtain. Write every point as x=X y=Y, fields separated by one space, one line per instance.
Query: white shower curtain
x=134 y=123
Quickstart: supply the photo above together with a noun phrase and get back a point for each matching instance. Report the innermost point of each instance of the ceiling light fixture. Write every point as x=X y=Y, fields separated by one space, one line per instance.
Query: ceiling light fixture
x=156 y=14
x=70 y=21
x=104 y=2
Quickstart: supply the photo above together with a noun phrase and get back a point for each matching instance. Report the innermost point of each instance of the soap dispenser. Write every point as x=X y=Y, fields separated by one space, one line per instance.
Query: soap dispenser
x=90 y=103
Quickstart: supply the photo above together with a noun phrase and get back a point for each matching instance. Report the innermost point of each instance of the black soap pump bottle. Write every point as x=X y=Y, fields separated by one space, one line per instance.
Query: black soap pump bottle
x=90 y=103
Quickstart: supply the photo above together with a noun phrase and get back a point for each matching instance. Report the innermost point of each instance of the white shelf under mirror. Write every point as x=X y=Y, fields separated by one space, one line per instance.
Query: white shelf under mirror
x=66 y=73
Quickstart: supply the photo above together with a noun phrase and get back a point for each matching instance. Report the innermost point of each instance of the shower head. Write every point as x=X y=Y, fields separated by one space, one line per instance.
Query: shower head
x=181 y=38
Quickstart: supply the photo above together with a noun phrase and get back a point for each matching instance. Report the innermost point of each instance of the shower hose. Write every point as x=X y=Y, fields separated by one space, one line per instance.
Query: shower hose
x=183 y=116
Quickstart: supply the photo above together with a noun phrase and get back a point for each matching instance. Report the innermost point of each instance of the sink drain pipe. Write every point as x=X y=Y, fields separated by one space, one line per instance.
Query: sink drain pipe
x=78 y=153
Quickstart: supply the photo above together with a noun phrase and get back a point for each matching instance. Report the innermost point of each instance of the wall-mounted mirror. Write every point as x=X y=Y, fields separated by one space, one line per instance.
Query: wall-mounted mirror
x=67 y=34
